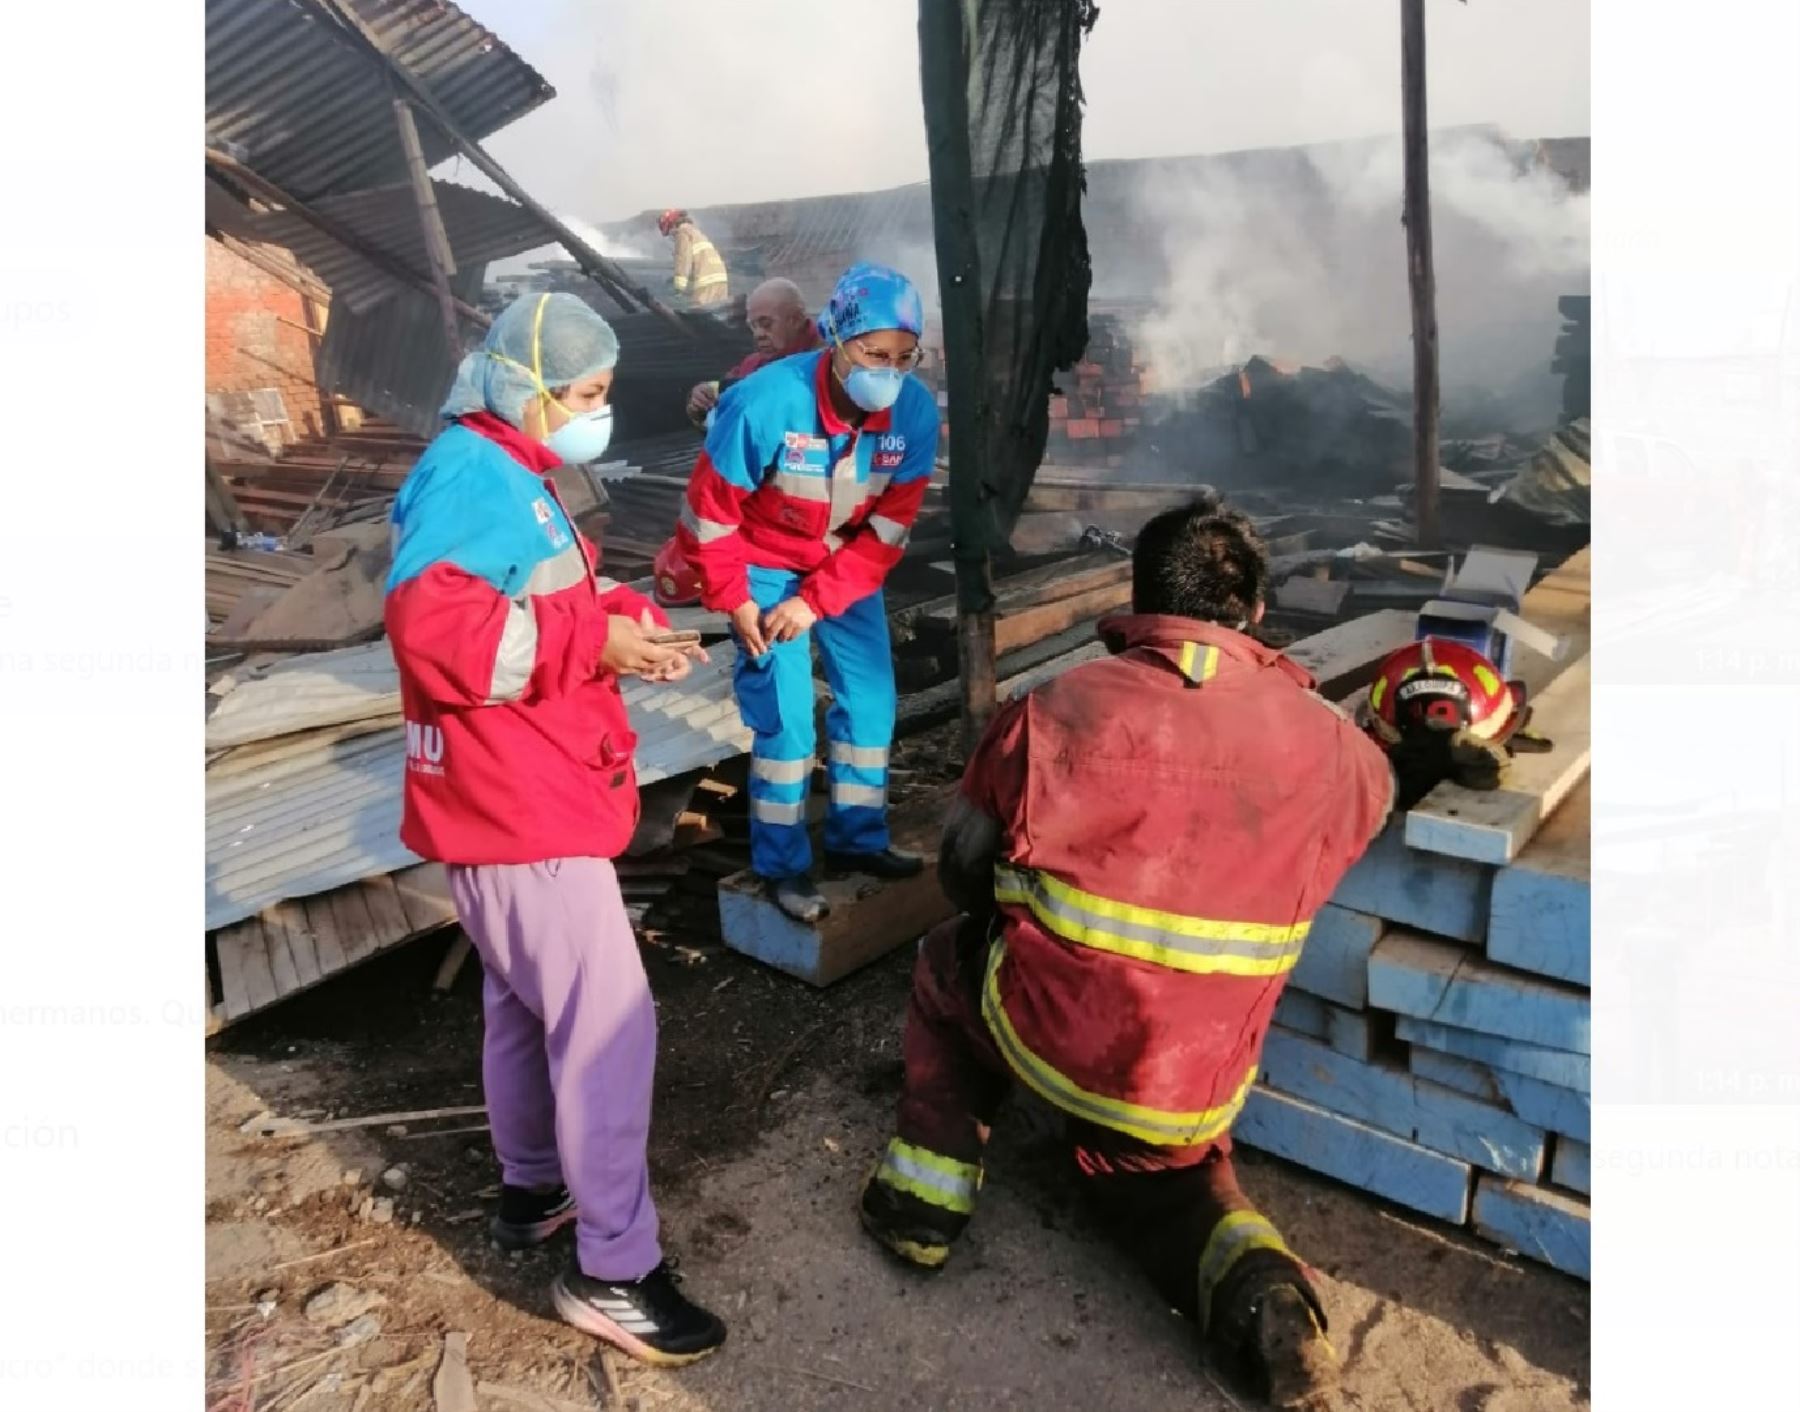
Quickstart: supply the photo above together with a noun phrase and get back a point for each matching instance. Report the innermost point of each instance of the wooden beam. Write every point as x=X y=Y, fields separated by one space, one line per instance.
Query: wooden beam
x=868 y=917
x=1022 y=628
x=1374 y=1161
x=1434 y=980
x=606 y=274
x=1549 y=1226
x=222 y=511
x=1421 y=274
x=1552 y=1066
x=1444 y=1120
x=438 y=254
x=1541 y=919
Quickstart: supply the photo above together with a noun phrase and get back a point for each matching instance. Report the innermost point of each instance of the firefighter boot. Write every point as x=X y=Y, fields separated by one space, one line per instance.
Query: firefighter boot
x=1267 y=1331
x=913 y=1230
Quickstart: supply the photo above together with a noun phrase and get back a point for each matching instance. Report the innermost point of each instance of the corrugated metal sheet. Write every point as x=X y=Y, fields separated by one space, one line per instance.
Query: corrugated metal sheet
x=481 y=228
x=306 y=693
x=392 y=360
x=313 y=113
x=322 y=809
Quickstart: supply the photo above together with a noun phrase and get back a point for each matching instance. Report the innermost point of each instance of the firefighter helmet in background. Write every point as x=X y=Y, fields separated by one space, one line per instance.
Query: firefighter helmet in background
x=676 y=583
x=1440 y=687
x=669 y=219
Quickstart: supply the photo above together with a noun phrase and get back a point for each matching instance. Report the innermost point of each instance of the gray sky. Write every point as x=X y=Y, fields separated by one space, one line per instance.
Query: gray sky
x=697 y=102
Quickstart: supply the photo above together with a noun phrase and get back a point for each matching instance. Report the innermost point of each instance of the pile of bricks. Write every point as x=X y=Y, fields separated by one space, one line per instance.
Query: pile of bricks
x=1095 y=419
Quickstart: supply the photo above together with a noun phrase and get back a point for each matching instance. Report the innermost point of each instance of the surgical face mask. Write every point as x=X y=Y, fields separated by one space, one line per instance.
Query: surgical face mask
x=584 y=437
x=873 y=389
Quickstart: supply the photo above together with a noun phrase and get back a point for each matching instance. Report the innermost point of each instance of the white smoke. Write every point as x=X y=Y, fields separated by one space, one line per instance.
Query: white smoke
x=605 y=245
x=1306 y=259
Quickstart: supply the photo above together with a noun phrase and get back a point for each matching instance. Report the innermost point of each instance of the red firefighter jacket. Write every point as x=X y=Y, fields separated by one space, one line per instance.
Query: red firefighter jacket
x=1171 y=818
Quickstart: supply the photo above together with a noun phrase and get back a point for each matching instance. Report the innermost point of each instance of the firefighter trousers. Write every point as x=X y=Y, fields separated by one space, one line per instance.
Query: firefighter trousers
x=775 y=698
x=1178 y=1211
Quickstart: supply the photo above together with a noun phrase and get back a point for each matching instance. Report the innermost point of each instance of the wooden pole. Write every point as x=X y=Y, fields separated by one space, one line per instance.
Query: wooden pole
x=604 y=273
x=336 y=229
x=1421 y=276
x=438 y=253
x=943 y=68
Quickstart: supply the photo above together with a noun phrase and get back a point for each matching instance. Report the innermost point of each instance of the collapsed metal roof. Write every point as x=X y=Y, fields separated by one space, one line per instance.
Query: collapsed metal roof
x=308 y=797
x=304 y=106
x=481 y=228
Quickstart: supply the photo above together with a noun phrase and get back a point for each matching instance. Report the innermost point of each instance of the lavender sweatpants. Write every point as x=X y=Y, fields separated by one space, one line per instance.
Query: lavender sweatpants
x=570 y=1048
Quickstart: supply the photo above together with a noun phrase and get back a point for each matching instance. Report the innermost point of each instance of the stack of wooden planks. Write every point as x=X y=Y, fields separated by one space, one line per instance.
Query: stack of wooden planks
x=1433 y=1045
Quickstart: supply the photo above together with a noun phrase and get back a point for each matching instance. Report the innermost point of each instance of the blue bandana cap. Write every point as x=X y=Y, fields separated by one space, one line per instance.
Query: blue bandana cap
x=869 y=298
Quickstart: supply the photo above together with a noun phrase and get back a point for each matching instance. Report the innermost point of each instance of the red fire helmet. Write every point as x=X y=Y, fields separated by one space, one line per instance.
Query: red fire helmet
x=669 y=219
x=676 y=582
x=1439 y=686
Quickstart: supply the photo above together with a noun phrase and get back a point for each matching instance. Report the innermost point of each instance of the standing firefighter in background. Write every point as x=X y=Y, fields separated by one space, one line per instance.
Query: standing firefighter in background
x=1140 y=846
x=699 y=268
x=797 y=509
x=519 y=777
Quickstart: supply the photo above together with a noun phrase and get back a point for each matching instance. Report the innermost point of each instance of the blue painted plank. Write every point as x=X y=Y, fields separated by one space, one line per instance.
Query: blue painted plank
x=753 y=925
x=1546 y=1225
x=1541 y=916
x=1351 y=1152
x=1570 y=1165
x=1433 y=980
x=1301 y=1013
x=1553 y=1066
x=1395 y=1101
x=1350 y=1032
x=1448 y=896
x=1334 y=963
x=1541 y=923
x=1556 y=1110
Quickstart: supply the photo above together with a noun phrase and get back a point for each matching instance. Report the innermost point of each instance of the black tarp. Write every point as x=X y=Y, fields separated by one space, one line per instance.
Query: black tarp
x=1003 y=100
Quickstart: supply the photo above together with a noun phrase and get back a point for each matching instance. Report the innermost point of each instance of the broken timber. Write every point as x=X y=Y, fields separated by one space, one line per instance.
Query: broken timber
x=295 y=944
x=868 y=917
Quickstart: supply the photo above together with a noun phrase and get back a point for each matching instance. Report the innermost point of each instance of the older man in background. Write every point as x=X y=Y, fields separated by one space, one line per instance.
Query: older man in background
x=779 y=327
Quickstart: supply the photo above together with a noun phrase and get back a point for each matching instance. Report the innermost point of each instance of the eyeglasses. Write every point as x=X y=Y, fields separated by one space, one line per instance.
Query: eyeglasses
x=878 y=358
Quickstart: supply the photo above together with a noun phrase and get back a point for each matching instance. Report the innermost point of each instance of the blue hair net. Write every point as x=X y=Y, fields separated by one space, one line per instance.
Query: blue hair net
x=868 y=298
x=540 y=341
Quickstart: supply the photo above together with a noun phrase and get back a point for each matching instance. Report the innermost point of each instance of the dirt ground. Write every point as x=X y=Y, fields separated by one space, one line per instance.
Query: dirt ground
x=772 y=1101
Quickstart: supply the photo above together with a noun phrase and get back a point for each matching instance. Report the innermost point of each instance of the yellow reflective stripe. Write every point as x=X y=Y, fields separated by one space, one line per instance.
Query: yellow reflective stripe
x=1489 y=682
x=1236 y=1235
x=1155 y=1125
x=705 y=280
x=1376 y=692
x=1199 y=663
x=941 y=1181
x=1198 y=945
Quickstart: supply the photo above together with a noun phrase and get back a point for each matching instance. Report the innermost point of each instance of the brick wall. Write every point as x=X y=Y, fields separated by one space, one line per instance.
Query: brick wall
x=249 y=348
x=1094 y=420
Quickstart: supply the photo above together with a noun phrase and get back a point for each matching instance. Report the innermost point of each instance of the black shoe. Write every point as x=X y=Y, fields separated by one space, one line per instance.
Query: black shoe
x=529 y=1218
x=889 y=863
x=799 y=898
x=650 y=1319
